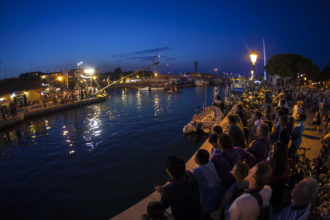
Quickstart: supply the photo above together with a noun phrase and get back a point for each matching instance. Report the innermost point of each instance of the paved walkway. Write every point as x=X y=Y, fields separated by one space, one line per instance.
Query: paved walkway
x=310 y=138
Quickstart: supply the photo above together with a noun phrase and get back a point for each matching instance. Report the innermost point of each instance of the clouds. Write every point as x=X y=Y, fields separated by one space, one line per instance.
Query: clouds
x=142 y=55
x=155 y=50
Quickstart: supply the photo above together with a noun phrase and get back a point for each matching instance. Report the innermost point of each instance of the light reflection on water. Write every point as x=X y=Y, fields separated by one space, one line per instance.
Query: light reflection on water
x=60 y=162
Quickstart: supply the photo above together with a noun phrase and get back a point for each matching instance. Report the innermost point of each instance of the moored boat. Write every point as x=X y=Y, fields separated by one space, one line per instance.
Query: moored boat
x=204 y=121
x=143 y=88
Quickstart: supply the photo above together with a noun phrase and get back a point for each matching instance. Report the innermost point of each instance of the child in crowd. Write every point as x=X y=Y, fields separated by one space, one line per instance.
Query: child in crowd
x=239 y=172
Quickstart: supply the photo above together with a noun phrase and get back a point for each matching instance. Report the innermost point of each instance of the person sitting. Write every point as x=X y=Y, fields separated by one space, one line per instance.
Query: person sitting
x=239 y=172
x=208 y=181
x=182 y=193
x=156 y=211
x=235 y=132
x=217 y=130
x=261 y=146
x=251 y=205
x=226 y=160
x=302 y=195
x=213 y=140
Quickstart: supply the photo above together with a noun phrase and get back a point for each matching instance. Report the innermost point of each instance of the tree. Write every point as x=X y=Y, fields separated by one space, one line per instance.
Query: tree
x=325 y=74
x=118 y=70
x=288 y=66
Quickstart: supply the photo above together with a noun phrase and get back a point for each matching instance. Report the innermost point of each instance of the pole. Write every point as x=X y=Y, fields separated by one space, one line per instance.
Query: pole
x=253 y=67
x=205 y=93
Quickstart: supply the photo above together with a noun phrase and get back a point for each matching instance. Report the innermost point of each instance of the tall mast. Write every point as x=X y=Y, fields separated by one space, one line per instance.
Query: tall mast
x=265 y=61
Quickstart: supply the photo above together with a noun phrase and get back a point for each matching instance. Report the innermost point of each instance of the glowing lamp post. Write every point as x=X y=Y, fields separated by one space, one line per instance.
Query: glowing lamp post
x=90 y=71
x=253 y=57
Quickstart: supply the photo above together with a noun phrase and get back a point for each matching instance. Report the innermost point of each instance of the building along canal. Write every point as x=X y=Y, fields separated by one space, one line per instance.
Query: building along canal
x=95 y=161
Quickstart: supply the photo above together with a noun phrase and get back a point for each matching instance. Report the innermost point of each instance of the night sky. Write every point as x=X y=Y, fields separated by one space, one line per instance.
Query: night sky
x=54 y=35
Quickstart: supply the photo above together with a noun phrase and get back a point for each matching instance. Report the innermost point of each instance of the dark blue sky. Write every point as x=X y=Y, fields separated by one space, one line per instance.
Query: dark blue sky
x=52 y=35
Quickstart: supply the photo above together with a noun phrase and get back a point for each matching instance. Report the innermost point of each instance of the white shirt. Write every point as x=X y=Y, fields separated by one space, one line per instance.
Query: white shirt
x=246 y=207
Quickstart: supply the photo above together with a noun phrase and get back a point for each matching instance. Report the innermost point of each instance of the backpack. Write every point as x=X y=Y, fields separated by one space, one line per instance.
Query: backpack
x=265 y=212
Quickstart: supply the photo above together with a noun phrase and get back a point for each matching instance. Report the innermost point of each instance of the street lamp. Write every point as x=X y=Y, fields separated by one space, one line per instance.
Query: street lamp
x=89 y=71
x=253 y=57
x=59 y=78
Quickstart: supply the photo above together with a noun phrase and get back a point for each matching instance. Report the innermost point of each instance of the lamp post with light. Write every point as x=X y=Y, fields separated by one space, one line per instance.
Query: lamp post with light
x=253 y=57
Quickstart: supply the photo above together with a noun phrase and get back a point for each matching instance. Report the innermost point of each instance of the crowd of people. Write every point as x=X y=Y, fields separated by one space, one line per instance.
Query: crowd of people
x=246 y=175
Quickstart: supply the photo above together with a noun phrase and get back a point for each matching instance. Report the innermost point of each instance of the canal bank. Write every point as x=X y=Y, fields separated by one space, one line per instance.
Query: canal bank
x=47 y=110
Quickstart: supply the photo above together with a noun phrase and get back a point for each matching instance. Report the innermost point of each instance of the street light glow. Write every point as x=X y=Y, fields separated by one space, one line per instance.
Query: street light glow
x=89 y=71
x=60 y=78
x=253 y=57
x=156 y=74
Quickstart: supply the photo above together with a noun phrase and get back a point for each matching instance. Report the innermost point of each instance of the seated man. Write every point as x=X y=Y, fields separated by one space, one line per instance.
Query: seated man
x=247 y=206
x=261 y=146
x=181 y=194
x=208 y=182
x=302 y=195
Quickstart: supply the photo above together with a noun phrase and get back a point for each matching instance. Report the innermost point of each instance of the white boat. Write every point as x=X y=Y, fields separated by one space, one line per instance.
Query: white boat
x=204 y=121
x=157 y=88
x=143 y=88
x=201 y=82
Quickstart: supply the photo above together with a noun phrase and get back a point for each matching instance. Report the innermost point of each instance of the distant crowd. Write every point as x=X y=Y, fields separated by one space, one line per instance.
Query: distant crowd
x=247 y=174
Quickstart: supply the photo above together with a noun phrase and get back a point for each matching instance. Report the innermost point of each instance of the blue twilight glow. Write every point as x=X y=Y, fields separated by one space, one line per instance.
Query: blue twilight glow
x=51 y=35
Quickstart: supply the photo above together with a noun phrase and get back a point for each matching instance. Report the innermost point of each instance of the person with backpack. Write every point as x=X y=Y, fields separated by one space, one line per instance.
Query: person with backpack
x=256 y=203
x=226 y=159
x=240 y=186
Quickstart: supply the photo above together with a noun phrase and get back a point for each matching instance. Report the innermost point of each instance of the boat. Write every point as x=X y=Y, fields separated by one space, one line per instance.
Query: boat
x=157 y=88
x=143 y=88
x=236 y=86
x=204 y=121
x=202 y=82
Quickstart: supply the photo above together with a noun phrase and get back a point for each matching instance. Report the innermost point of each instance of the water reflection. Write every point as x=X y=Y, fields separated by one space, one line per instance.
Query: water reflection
x=138 y=101
x=156 y=105
x=124 y=96
x=93 y=127
x=69 y=142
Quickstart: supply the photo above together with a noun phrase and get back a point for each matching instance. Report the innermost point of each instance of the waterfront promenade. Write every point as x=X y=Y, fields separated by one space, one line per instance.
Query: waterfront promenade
x=22 y=116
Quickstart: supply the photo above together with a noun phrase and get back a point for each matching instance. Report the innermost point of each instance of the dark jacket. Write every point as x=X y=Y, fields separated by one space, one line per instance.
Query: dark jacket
x=260 y=149
x=182 y=195
x=237 y=136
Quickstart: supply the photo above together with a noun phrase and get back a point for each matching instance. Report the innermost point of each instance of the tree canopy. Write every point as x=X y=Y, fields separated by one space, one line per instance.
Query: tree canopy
x=118 y=70
x=289 y=65
x=325 y=74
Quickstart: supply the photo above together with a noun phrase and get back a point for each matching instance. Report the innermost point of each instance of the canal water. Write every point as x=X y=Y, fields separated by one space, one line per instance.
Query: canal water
x=95 y=161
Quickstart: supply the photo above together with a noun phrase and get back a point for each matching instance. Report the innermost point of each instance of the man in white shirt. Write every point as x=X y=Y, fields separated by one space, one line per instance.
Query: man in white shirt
x=247 y=206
